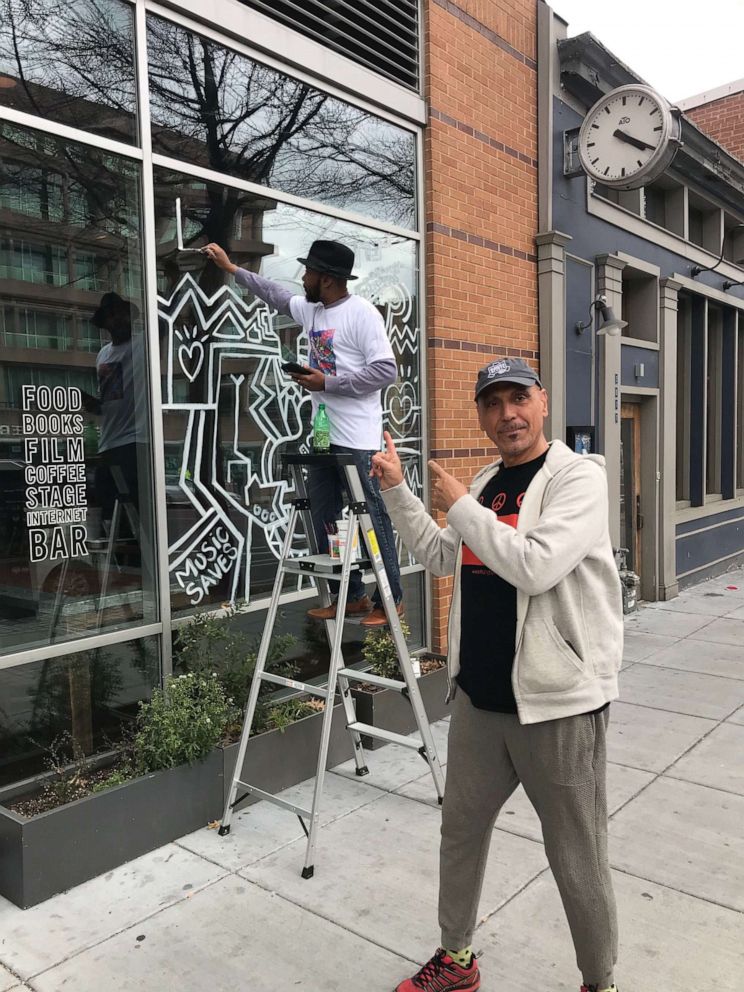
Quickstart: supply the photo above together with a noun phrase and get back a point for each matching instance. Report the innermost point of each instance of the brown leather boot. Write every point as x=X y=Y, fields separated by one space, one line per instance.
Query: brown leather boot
x=357 y=606
x=377 y=617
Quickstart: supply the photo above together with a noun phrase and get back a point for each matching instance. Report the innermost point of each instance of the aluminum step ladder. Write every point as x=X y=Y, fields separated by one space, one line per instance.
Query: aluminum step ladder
x=322 y=568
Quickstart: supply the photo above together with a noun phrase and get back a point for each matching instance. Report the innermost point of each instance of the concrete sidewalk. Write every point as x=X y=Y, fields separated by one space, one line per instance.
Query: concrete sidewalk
x=211 y=913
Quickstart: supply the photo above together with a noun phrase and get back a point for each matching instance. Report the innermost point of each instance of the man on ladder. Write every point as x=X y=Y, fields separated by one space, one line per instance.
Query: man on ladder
x=351 y=362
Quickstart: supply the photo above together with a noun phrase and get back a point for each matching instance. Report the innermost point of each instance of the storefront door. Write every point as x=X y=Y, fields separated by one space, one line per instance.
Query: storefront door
x=631 y=519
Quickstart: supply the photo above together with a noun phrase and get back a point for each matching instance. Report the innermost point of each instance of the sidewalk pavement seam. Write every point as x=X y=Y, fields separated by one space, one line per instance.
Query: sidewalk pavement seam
x=129 y=926
x=685 y=671
x=673 y=888
x=660 y=774
x=660 y=709
x=509 y=899
x=384 y=788
x=13 y=972
x=281 y=847
x=702 y=785
x=321 y=916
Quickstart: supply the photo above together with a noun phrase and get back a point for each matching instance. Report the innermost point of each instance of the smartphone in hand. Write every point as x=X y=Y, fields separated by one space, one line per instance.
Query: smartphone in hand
x=295 y=369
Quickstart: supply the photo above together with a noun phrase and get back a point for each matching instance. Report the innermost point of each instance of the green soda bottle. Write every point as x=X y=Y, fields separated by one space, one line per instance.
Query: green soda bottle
x=321 y=432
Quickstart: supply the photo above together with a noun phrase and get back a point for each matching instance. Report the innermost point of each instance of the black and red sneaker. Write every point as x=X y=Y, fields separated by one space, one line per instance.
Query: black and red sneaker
x=442 y=974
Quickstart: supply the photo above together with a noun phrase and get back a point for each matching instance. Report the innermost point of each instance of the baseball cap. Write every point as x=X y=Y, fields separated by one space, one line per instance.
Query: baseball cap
x=514 y=370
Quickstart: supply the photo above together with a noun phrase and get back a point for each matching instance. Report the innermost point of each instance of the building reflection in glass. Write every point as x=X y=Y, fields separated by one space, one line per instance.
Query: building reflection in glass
x=71 y=61
x=214 y=107
x=229 y=411
x=70 y=244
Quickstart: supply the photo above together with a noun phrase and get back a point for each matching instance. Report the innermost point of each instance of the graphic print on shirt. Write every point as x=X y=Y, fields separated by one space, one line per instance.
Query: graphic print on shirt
x=110 y=381
x=497 y=504
x=322 y=355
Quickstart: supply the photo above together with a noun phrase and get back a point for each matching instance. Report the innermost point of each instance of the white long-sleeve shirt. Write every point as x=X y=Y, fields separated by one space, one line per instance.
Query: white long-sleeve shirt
x=348 y=344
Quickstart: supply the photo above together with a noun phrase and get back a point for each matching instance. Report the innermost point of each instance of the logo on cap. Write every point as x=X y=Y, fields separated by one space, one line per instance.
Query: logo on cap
x=498 y=368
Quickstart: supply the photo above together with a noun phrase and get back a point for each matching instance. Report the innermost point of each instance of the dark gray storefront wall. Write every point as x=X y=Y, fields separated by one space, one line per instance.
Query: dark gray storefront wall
x=716 y=541
x=592 y=236
x=579 y=287
x=648 y=358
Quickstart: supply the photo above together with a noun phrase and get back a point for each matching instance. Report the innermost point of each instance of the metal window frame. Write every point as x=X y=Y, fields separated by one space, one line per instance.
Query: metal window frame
x=211 y=176
x=18 y=658
x=143 y=154
x=411 y=111
x=149 y=272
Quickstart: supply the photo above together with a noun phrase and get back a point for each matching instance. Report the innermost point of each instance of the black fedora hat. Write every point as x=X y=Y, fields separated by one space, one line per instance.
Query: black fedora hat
x=331 y=257
x=113 y=305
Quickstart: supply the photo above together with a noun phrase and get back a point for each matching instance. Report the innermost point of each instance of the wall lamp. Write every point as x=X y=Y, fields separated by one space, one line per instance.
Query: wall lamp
x=611 y=324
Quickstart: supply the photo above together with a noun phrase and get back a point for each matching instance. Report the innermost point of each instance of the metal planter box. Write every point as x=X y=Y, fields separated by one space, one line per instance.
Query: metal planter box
x=280 y=759
x=46 y=854
x=392 y=711
x=49 y=853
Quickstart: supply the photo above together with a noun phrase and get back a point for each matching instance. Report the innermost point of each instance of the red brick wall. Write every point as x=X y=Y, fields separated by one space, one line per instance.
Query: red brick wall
x=723 y=120
x=481 y=217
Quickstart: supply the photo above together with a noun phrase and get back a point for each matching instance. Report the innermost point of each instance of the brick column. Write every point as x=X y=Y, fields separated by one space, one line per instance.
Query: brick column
x=481 y=220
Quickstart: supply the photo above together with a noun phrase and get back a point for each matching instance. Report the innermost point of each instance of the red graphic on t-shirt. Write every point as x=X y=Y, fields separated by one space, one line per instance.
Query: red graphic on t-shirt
x=498 y=502
x=468 y=556
x=519 y=500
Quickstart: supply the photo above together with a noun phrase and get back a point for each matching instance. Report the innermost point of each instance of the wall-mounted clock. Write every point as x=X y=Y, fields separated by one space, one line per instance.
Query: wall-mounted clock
x=629 y=137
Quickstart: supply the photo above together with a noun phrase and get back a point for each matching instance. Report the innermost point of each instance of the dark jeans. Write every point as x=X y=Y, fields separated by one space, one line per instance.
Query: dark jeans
x=116 y=478
x=326 y=490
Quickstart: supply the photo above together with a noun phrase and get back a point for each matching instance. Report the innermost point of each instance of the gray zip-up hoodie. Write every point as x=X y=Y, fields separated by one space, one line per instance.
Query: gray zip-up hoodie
x=569 y=637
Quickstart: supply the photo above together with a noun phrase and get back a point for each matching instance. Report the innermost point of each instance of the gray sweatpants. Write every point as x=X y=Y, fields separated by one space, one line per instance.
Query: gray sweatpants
x=562 y=766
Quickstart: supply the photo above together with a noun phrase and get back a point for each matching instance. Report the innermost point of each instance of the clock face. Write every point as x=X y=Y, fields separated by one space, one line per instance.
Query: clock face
x=627 y=137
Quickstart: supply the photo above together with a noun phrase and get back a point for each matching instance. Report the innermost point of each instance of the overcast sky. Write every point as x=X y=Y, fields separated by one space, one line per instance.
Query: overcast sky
x=680 y=47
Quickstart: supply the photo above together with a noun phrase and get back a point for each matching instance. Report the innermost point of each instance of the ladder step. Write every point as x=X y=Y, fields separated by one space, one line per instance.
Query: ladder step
x=270 y=797
x=386 y=735
x=311 y=690
x=320 y=565
x=354 y=676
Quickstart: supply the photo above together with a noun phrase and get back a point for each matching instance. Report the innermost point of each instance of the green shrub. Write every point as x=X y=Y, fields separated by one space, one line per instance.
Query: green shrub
x=282 y=715
x=182 y=723
x=378 y=650
x=210 y=645
x=117 y=777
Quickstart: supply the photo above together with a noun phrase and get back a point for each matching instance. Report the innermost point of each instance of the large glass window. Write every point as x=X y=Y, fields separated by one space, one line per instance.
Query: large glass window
x=229 y=411
x=713 y=401
x=71 y=61
x=216 y=108
x=76 y=548
x=684 y=398
x=739 y=403
x=73 y=705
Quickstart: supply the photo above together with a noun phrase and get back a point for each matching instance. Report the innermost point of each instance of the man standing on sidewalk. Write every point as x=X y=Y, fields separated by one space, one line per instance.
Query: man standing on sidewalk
x=535 y=645
x=351 y=361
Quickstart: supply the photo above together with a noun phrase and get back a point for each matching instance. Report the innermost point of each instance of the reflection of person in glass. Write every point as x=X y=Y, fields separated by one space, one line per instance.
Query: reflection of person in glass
x=116 y=473
x=351 y=361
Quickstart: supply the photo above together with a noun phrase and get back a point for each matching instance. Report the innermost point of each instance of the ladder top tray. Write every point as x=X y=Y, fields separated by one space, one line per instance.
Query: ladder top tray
x=321 y=564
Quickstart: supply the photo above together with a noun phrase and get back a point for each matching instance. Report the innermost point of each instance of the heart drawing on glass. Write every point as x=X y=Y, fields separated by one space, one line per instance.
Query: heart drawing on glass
x=401 y=404
x=190 y=353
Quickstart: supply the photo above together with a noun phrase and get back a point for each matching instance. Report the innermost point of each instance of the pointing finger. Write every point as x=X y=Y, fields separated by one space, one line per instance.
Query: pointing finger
x=436 y=469
x=389 y=443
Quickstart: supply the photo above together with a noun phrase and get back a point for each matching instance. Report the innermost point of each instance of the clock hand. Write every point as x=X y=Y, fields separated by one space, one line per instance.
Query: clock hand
x=630 y=140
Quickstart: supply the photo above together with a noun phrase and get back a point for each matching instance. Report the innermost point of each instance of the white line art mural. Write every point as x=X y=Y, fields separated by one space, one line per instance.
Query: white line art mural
x=240 y=413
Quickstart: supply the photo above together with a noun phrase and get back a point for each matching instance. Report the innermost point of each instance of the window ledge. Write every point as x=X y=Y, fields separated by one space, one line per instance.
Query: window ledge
x=709 y=510
x=639 y=343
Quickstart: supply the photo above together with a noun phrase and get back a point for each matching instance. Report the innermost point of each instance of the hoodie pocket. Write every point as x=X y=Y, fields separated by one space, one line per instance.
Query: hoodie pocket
x=546 y=661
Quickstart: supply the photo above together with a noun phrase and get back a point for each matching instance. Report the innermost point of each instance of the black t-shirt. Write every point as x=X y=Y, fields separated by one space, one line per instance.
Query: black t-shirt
x=489 y=604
